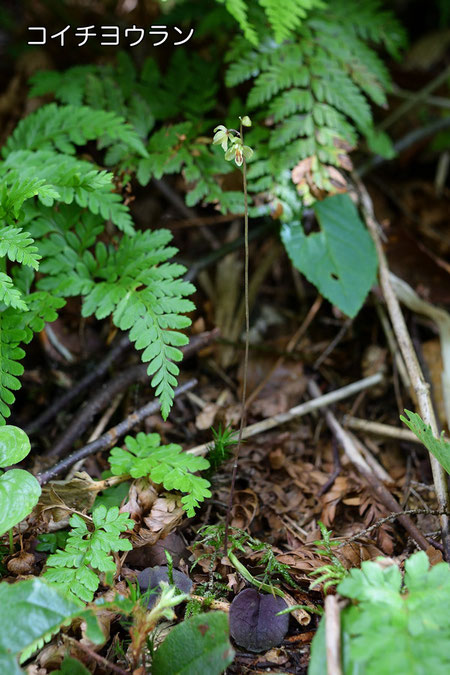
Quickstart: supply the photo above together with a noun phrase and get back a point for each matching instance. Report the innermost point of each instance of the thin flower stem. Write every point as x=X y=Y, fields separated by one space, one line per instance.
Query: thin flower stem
x=247 y=334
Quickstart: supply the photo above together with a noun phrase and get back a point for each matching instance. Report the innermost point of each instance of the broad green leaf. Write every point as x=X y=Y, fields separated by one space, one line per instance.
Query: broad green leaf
x=340 y=260
x=437 y=446
x=31 y=611
x=14 y=445
x=19 y=494
x=389 y=629
x=198 y=645
x=71 y=666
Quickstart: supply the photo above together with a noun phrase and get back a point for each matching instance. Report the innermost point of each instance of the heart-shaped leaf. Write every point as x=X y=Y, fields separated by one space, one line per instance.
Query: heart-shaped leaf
x=14 y=445
x=340 y=260
x=19 y=494
x=254 y=623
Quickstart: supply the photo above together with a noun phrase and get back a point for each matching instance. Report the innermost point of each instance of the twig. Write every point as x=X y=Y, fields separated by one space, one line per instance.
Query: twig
x=111 y=437
x=378 y=429
x=95 y=374
x=415 y=373
x=334 y=342
x=231 y=246
x=417 y=98
x=438 y=101
x=101 y=399
x=389 y=519
x=393 y=347
x=300 y=410
x=333 y=635
x=364 y=469
x=172 y=196
x=441 y=318
x=97 y=657
x=405 y=142
x=99 y=429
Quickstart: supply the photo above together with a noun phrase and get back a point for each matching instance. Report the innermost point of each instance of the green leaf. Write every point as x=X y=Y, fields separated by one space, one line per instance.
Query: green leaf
x=164 y=464
x=437 y=446
x=198 y=645
x=389 y=628
x=88 y=552
x=71 y=666
x=31 y=611
x=14 y=445
x=340 y=260
x=19 y=494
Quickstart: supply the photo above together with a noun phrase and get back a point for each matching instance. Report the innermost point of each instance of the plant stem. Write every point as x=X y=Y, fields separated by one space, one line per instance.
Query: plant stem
x=247 y=333
x=11 y=541
x=243 y=571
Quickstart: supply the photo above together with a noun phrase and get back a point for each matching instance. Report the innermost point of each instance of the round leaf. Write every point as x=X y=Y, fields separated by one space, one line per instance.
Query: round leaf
x=151 y=577
x=14 y=445
x=254 y=623
x=19 y=493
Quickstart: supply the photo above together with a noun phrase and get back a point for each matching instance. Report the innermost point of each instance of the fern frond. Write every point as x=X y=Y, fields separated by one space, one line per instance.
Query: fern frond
x=89 y=552
x=238 y=9
x=287 y=16
x=11 y=335
x=71 y=180
x=143 y=293
x=10 y=296
x=16 y=189
x=163 y=464
x=18 y=246
x=62 y=127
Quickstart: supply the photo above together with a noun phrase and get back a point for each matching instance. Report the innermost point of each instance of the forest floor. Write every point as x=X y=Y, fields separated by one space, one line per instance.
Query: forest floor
x=292 y=473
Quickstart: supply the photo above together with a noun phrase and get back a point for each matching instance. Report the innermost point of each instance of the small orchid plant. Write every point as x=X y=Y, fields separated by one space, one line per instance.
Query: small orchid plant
x=237 y=150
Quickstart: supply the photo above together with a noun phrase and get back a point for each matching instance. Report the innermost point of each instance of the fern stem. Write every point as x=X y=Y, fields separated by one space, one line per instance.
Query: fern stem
x=247 y=334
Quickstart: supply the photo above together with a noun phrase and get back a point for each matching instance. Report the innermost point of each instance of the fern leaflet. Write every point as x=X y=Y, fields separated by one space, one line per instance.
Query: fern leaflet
x=88 y=552
x=164 y=464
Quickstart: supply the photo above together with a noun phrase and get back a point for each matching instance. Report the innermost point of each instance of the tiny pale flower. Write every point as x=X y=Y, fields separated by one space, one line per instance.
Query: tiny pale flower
x=246 y=121
x=221 y=136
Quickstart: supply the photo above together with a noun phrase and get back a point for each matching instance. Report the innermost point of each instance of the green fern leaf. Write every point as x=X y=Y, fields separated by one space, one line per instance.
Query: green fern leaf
x=88 y=552
x=286 y=17
x=18 y=246
x=63 y=127
x=164 y=464
x=11 y=335
x=71 y=180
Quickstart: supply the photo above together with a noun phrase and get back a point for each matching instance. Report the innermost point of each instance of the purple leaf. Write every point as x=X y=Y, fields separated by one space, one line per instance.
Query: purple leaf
x=152 y=576
x=253 y=621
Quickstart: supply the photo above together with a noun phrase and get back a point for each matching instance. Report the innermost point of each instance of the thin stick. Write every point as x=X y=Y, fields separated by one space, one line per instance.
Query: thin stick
x=389 y=519
x=417 y=98
x=333 y=635
x=95 y=374
x=111 y=437
x=415 y=373
x=378 y=429
x=104 y=663
x=300 y=410
x=102 y=398
x=366 y=472
x=247 y=340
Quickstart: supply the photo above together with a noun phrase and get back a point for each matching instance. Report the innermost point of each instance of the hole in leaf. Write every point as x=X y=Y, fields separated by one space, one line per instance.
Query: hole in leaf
x=334 y=276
